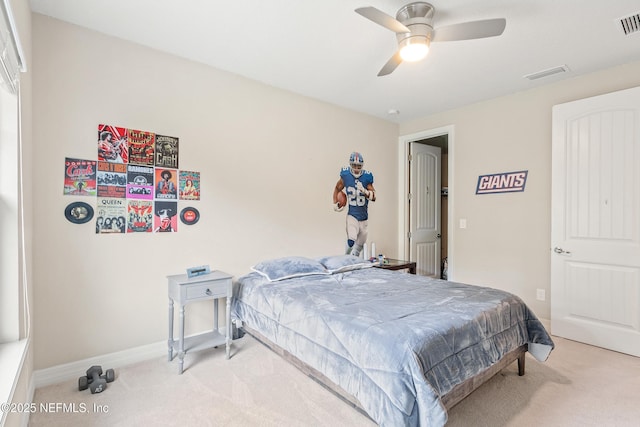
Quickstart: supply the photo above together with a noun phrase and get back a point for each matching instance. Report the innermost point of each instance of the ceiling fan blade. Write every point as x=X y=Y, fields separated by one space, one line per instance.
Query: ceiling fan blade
x=391 y=65
x=383 y=19
x=470 y=30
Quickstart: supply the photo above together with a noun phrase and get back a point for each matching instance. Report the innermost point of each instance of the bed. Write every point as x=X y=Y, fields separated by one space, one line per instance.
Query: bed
x=399 y=347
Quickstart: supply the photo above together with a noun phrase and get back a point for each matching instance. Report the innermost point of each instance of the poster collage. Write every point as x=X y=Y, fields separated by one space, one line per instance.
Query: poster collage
x=136 y=179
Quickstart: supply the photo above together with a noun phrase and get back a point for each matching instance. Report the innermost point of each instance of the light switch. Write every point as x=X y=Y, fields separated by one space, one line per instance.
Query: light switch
x=463 y=223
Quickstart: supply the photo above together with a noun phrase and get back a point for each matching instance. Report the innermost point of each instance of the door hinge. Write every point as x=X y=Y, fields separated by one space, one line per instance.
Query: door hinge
x=409 y=158
x=409 y=196
x=409 y=235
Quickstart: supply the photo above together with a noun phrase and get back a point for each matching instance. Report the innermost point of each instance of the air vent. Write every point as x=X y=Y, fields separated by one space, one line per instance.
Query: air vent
x=548 y=72
x=630 y=24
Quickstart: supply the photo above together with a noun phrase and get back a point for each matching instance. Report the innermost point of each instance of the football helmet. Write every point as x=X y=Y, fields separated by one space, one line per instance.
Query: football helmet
x=355 y=163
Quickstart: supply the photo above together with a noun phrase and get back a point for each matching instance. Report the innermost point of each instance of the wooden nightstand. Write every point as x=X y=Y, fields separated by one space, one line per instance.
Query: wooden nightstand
x=397 y=264
x=184 y=290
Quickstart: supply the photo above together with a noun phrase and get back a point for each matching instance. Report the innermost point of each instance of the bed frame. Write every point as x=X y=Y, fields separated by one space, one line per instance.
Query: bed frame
x=455 y=395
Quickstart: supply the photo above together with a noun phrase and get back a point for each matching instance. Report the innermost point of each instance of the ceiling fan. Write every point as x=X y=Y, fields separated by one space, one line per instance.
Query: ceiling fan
x=415 y=32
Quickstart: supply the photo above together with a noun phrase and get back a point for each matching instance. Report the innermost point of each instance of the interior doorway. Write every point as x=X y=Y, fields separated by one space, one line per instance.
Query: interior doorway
x=434 y=264
x=595 y=227
x=428 y=208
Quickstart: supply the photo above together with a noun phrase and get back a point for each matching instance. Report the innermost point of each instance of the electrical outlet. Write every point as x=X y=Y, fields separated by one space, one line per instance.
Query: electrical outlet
x=540 y=294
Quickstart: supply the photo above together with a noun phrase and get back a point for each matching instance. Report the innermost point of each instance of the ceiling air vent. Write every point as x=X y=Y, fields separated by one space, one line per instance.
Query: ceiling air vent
x=548 y=72
x=630 y=24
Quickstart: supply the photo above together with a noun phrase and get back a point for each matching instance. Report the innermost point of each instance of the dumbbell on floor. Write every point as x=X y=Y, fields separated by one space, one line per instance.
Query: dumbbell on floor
x=95 y=381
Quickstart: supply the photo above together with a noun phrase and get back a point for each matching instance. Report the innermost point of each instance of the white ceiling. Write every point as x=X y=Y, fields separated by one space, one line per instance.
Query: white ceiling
x=324 y=50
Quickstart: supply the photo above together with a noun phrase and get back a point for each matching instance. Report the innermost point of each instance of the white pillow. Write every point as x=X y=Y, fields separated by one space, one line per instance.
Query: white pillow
x=288 y=267
x=342 y=263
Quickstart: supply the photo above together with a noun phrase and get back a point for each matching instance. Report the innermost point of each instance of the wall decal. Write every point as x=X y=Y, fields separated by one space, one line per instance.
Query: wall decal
x=112 y=144
x=141 y=147
x=166 y=219
x=166 y=151
x=505 y=182
x=189 y=216
x=139 y=216
x=80 y=177
x=166 y=184
x=111 y=216
x=189 y=185
x=136 y=182
x=112 y=180
x=78 y=212
x=139 y=182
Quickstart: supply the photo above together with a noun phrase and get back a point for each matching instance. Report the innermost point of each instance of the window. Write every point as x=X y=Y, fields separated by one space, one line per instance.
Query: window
x=14 y=333
x=10 y=193
x=9 y=230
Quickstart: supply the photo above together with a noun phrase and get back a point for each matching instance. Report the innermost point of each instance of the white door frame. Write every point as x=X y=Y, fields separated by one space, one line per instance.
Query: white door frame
x=403 y=202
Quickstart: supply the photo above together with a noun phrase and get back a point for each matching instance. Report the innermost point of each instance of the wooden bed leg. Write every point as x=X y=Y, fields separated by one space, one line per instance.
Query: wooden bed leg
x=521 y=364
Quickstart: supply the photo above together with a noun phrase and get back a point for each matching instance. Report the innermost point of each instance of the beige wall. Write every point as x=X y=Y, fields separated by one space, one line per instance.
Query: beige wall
x=269 y=160
x=507 y=240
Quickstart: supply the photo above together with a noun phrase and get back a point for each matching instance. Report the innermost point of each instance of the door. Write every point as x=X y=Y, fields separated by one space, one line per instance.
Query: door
x=595 y=227
x=424 y=208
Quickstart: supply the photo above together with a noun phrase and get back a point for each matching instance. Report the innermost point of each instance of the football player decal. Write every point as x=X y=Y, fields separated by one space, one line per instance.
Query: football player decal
x=356 y=184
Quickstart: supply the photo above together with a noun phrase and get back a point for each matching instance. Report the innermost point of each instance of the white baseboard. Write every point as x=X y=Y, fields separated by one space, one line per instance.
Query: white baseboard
x=74 y=370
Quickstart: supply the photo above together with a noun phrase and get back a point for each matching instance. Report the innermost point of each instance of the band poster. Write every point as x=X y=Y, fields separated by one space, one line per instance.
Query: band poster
x=135 y=179
x=112 y=144
x=80 y=177
x=166 y=152
x=141 y=147
x=166 y=218
x=110 y=216
x=166 y=184
x=139 y=216
x=139 y=182
x=189 y=185
x=112 y=180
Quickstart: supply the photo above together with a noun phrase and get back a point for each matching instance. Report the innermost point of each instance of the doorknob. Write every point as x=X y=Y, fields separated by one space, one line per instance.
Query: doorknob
x=560 y=251
x=439 y=236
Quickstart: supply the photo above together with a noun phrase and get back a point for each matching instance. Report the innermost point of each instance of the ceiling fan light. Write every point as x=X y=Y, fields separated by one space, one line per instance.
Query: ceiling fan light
x=413 y=50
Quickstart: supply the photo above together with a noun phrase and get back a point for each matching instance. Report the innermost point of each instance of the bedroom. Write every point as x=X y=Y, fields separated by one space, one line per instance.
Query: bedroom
x=272 y=200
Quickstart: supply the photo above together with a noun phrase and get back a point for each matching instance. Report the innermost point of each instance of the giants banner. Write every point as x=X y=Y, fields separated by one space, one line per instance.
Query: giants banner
x=506 y=182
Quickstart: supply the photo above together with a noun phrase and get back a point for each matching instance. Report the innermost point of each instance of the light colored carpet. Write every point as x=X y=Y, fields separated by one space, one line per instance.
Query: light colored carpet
x=579 y=385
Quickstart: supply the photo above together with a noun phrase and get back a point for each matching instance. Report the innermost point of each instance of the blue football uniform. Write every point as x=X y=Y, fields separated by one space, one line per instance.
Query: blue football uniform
x=358 y=203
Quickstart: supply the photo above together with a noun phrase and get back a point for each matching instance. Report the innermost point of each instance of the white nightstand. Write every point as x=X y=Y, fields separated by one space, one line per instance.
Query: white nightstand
x=184 y=290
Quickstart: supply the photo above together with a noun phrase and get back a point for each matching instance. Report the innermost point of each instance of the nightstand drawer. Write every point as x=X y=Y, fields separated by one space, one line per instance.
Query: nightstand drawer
x=207 y=290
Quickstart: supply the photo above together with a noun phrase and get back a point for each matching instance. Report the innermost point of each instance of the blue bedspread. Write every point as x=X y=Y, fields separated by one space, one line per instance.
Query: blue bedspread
x=394 y=341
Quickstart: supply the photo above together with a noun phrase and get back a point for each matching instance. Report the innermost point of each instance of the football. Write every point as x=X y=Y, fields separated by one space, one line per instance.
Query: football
x=342 y=199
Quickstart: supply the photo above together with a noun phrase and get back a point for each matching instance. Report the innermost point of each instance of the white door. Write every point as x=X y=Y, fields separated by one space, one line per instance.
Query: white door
x=595 y=227
x=424 y=209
